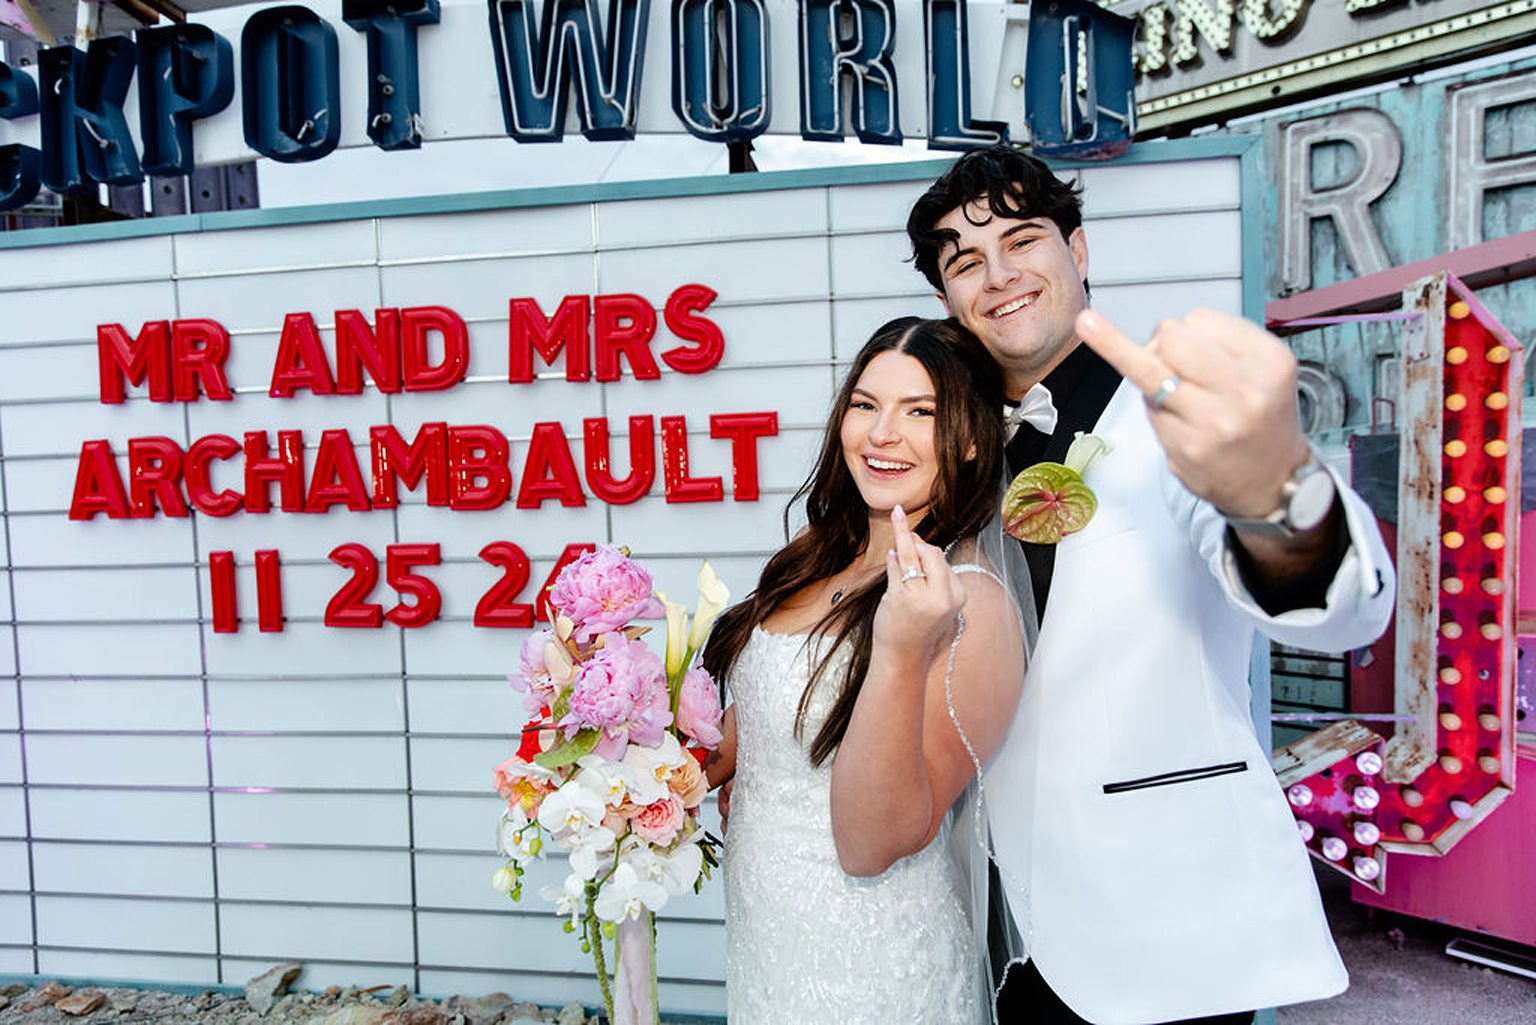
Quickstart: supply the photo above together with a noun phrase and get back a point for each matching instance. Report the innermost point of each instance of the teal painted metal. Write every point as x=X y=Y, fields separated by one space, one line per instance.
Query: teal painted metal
x=602 y=192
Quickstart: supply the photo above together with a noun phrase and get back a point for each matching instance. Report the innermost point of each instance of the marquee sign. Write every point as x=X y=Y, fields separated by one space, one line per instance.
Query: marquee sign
x=403 y=72
x=1201 y=61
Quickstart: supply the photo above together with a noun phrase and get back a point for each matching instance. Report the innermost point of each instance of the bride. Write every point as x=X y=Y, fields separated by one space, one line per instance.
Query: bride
x=864 y=702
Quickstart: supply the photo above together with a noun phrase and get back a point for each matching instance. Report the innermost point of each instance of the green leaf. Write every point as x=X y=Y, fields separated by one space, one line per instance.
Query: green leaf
x=562 y=705
x=566 y=753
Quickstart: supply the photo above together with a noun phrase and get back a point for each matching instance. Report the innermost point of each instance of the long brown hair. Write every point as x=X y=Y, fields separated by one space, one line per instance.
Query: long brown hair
x=968 y=400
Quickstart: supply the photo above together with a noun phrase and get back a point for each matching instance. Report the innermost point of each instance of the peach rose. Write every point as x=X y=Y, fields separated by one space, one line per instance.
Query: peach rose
x=689 y=783
x=659 y=821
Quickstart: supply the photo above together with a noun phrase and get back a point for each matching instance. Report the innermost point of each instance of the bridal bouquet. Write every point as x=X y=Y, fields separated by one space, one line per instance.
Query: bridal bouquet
x=610 y=770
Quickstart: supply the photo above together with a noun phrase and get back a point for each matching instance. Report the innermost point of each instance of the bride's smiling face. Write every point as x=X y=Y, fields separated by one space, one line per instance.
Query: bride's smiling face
x=887 y=434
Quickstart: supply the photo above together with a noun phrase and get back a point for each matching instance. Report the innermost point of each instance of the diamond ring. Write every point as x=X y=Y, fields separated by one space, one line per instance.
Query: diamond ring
x=912 y=573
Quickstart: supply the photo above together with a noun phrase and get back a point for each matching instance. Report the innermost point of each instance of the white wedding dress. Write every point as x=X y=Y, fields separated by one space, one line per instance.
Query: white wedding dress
x=804 y=941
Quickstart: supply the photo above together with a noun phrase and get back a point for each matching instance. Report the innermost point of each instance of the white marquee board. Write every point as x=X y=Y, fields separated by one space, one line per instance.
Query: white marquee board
x=183 y=805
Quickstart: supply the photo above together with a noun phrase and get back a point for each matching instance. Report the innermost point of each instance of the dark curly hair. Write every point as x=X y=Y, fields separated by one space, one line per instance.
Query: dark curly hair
x=1013 y=184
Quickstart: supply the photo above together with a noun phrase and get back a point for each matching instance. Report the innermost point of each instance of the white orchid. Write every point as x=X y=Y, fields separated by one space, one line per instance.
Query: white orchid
x=589 y=850
x=569 y=898
x=675 y=871
x=613 y=781
x=517 y=838
x=573 y=809
x=652 y=767
x=626 y=895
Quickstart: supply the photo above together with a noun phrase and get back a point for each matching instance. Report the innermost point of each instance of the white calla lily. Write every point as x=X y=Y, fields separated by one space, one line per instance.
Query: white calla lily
x=714 y=596
x=677 y=635
x=1085 y=448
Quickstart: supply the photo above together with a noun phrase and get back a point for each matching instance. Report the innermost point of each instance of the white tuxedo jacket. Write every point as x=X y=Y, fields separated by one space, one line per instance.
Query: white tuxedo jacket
x=1149 y=857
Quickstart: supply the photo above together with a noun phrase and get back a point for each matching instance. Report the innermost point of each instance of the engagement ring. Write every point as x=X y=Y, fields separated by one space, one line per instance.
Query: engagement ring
x=911 y=573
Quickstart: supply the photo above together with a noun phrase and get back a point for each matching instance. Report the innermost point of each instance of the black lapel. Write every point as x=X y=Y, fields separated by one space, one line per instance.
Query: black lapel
x=1081 y=388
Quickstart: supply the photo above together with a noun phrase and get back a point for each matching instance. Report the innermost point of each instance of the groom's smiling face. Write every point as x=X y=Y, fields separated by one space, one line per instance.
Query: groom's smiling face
x=1018 y=286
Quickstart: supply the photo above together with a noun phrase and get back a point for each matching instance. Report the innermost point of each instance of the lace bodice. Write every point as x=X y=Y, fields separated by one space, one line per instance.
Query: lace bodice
x=804 y=941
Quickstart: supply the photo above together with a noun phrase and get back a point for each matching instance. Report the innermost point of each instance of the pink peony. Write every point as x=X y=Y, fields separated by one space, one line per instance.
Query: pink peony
x=698 y=707
x=659 y=821
x=533 y=682
x=622 y=691
x=602 y=591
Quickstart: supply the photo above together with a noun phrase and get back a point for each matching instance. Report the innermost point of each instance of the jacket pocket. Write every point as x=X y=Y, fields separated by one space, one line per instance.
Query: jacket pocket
x=1164 y=779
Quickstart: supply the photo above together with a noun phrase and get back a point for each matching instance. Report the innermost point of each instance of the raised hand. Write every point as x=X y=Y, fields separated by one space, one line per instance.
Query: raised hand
x=922 y=594
x=1221 y=395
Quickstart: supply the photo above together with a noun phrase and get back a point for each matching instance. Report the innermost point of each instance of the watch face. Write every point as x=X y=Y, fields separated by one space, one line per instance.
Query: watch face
x=1311 y=500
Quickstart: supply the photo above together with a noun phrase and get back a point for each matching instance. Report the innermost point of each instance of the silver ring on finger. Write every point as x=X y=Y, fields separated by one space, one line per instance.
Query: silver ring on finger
x=1164 y=391
x=912 y=573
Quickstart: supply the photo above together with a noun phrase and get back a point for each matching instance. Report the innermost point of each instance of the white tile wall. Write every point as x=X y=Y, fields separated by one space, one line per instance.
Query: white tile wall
x=368 y=763
x=8 y=689
x=364 y=934
x=124 y=815
x=52 y=266
x=694 y=219
x=10 y=758
x=140 y=650
x=50 y=372
x=455 y=237
x=56 y=429
x=255 y=249
x=300 y=704
x=134 y=761
x=340 y=819
x=71 y=314
x=770 y=270
x=124 y=870
x=159 y=926
x=85 y=704
x=481 y=288
x=13 y=862
x=371 y=877
x=101 y=594
x=58 y=541
x=15 y=918
x=127 y=966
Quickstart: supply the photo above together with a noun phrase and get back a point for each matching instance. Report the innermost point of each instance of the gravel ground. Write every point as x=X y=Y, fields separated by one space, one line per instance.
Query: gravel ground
x=1400 y=975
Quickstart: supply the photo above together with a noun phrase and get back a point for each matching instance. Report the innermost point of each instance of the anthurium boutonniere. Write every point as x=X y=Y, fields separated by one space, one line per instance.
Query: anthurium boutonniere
x=1048 y=501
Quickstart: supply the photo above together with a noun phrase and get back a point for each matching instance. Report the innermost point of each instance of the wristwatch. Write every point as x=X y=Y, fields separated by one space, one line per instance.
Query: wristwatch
x=1305 y=500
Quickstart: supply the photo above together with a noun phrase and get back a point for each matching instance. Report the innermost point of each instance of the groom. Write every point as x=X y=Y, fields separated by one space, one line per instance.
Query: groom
x=1147 y=855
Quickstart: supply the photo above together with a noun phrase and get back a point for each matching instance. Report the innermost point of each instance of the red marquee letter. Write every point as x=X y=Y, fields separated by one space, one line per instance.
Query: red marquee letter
x=744 y=429
x=624 y=324
x=674 y=466
x=394 y=462
x=301 y=361
x=416 y=324
x=529 y=330
x=336 y=477
x=642 y=460
x=262 y=468
x=200 y=348
x=549 y=471
x=98 y=485
x=680 y=313
x=477 y=453
x=149 y=356
x=377 y=349
x=195 y=476
x=154 y=470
